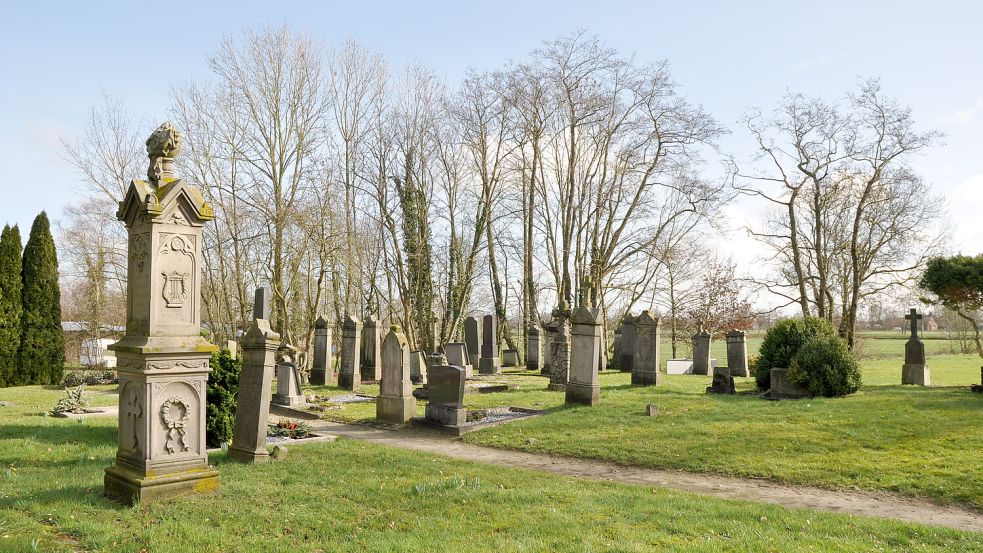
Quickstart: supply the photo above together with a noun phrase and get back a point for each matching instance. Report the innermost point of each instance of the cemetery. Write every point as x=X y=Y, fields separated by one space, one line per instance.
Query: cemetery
x=505 y=315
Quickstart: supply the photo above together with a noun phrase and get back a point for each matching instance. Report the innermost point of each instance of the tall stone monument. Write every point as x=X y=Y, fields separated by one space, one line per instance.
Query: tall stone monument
x=583 y=387
x=627 y=342
x=550 y=329
x=162 y=360
x=615 y=362
x=322 y=371
x=349 y=377
x=395 y=402
x=259 y=347
x=645 y=364
x=489 y=362
x=914 y=371
x=472 y=337
x=559 y=348
x=701 y=352
x=371 y=348
x=737 y=353
x=533 y=348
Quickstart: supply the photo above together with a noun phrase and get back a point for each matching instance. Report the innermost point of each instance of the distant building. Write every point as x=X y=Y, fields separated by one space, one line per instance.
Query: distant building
x=929 y=323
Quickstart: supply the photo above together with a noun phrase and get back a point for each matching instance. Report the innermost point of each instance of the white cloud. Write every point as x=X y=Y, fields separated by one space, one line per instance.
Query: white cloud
x=964 y=116
x=809 y=64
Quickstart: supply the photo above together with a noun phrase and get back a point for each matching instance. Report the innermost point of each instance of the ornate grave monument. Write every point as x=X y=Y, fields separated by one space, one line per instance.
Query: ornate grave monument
x=914 y=371
x=371 y=348
x=162 y=359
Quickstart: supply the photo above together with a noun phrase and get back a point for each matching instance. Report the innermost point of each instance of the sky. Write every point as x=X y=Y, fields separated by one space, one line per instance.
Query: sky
x=58 y=59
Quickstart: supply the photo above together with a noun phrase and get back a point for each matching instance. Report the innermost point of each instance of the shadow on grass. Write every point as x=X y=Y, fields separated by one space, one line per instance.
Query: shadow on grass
x=60 y=434
x=73 y=495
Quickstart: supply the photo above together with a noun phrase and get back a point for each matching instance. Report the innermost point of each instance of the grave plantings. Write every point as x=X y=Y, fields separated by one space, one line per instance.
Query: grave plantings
x=76 y=402
x=285 y=428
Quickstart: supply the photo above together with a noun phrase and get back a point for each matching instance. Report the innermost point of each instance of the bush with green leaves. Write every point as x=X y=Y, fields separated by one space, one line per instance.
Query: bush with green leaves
x=220 y=395
x=826 y=366
x=89 y=378
x=783 y=341
x=10 y=305
x=41 y=358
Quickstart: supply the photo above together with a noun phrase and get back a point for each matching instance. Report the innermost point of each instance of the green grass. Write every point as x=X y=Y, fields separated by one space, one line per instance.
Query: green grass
x=356 y=496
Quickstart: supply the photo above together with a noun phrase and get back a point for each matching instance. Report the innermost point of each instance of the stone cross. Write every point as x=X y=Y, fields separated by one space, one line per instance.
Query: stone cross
x=915 y=371
x=913 y=316
x=262 y=303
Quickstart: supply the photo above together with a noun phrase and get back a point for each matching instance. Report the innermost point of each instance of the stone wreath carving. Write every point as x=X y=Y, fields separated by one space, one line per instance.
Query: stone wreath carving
x=175 y=421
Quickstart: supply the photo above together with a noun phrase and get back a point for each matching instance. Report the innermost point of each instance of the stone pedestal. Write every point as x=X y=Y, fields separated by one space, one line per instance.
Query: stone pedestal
x=489 y=362
x=395 y=402
x=701 y=352
x=583 y=387
x=472 y=337
x=162 y=360
x=645 y=362
x=627 y=343
x=349 y=377
x=533 y=348
x=322 y=372
x=288 y=386
x=783 y=388
x=371 y=368
x=259 y=347
x=916 y=374
x=737 y=353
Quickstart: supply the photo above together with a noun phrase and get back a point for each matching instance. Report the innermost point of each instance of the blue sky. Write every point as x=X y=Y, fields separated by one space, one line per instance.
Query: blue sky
x=57 y=59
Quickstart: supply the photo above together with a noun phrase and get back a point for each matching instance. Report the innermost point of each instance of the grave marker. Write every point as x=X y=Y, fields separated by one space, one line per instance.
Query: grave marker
x=395 y=402
x=914 y=371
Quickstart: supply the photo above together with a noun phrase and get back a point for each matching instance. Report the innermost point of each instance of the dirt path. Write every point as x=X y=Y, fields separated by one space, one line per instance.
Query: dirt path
x=870 y=504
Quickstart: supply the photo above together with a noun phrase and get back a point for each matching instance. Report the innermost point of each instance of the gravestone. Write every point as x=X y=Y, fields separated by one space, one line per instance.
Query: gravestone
x=533 y=348
x=322 y=371
x=701 y=352
x=395 y=402
x=457 y=355
x=549 y=331
x=162 y=359
x=445 y=399
x=262 y=303
x=510 y=358
x=287 y=379
x=645 y=363
x=349 y=377
x=232 y=347
x=615 y=362
x=627 y=343
x=582 y=386
x=560 y=349
x=722 y=383
x=914 y=371
x=418 y=367
x=472 y=337
x=737 y=353
x=371 y=368
x=259 y=347
x=489 y=362
x=685 y=366
x=783 y=388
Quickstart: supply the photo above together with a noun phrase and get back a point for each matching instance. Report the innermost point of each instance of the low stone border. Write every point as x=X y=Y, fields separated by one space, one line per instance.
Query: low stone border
x=519 y=412
x=289 y=442
x=102 y=412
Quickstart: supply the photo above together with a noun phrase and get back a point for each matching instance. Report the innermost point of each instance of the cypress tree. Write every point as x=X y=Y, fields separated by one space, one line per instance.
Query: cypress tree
x=42 y=344
x=10 y=304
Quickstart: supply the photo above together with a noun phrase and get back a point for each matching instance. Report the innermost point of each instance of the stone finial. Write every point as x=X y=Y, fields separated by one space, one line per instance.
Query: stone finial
x=162 y=147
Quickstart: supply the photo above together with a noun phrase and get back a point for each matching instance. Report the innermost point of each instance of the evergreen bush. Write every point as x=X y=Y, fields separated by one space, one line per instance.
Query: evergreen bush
x=41 y=357
x=826 y=366
x=783 y=341
x=220 y=397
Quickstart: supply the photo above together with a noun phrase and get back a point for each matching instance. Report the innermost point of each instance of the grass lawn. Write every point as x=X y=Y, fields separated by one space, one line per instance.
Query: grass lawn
x=354 y=496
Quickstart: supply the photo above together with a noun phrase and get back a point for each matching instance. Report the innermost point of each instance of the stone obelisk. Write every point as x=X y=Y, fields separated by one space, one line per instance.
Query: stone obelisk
x=162 y=360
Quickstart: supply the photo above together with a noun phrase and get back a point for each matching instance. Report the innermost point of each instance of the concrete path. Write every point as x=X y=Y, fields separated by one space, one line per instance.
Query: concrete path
x=869 y=504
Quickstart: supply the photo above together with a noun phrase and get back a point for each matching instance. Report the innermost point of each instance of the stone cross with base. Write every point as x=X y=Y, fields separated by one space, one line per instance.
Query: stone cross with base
x=914 y=371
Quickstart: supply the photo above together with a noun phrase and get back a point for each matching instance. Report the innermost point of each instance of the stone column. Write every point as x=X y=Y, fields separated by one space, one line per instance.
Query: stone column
x=489 y=362
x=162 y=360
x=583 y=387
x=701 y=352
x=737 y=353
x=472 y=337
x=559 y=347
x=371 y=349
x=395 y=402
x=259 y=347
x=645 y=364
x=627 y=342
x=349 y=377
x=533 y=348
x=615 y=362
x=322 y=373
x=915 y=371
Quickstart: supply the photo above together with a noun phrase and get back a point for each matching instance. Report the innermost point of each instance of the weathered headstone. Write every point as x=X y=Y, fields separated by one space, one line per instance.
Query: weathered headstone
x=395 y=402
x=445 y=399
x=615 y=362
x=559 y=350
x=737 y=353
x=472 y=337
x=371 y=348
x=510 y=358
x=550 y=329
x=722 y=383
x=489 y=362
x=645 y=363
x=583 y=387
x=232 y=347
x=914 y=371
x=322 y=371
x=627 y=343
x=533 y=348
x=701 y=352
x=287 y=379
x=259 y=347
x=162 y=360
x=418 y=367
x=457 y=355
x=262 y=303
x=783 y=388
x=349 y=377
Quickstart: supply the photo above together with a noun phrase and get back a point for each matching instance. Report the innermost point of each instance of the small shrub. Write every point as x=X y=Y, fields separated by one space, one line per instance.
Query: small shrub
x=826 y=366
x=75 y=401
x=75 y=378
x=783 y=341
x=220 y=395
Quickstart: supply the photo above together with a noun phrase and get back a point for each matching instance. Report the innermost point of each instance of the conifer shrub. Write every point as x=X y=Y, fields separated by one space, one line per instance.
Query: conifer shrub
x=826 y=366
x=41 y=357
x=783 y=341
x=220 y=397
